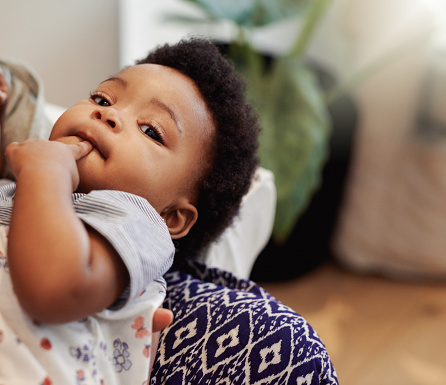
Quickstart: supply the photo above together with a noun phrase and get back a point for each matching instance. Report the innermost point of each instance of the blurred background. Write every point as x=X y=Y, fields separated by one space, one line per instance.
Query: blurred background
x=359 y=239
x=71 y=45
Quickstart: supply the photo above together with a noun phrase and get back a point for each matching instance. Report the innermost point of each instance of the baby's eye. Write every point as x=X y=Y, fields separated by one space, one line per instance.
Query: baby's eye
x=100 y=100
x=151 y=132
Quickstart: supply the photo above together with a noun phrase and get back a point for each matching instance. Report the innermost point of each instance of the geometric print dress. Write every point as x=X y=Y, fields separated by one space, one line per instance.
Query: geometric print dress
x=231 y=331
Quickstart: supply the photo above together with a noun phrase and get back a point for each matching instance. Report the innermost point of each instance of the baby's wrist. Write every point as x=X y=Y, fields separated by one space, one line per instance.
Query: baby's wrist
x=46 y=176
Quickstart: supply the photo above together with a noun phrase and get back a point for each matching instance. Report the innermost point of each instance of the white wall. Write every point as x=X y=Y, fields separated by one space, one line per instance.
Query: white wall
x=145 y=24
x=72 y=45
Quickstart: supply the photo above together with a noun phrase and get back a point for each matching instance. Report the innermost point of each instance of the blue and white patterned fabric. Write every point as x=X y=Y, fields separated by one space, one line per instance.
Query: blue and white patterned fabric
x=231 y=331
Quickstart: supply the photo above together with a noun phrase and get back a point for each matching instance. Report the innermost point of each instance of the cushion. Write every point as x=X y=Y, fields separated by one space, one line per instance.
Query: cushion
x=230 y=331
x=393 y=219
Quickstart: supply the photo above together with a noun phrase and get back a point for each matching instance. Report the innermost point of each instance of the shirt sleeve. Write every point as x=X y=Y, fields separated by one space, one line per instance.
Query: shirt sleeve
x=135 y=230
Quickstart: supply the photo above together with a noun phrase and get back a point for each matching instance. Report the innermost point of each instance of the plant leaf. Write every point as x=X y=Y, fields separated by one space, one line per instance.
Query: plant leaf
x=235 y=10
x=251 y=13
x=294 y=140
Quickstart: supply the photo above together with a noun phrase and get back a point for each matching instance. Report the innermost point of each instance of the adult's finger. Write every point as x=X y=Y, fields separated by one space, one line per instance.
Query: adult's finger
x=161 y=319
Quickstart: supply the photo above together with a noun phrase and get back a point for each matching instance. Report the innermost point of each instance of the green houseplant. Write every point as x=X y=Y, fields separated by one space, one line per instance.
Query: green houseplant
x=286 y=94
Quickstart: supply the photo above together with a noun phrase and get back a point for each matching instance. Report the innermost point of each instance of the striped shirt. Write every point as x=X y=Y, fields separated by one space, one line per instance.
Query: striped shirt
x=129 y=223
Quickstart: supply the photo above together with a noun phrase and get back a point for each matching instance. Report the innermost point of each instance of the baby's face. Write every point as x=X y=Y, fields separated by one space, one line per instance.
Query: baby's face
x=150 y=129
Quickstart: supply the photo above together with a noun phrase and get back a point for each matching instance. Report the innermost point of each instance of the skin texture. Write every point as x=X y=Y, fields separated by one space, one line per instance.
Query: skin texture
x=145 y=132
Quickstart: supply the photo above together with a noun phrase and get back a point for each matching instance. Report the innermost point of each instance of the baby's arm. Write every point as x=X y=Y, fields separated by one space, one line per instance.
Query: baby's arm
x=61 y=270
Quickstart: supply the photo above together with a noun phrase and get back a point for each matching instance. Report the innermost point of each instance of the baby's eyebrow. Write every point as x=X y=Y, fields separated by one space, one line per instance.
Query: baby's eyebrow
x=172 y=114
x=116 y=79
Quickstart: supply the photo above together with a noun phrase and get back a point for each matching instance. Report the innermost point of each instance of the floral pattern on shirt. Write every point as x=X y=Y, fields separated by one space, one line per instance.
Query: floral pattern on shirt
x=121 y=355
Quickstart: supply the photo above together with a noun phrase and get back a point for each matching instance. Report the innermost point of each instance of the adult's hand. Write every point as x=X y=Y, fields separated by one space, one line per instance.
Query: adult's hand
x=161 y=319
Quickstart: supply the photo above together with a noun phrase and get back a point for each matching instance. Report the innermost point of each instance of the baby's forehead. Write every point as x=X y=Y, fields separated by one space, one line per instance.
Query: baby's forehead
x=154 y=71
x=162 y=79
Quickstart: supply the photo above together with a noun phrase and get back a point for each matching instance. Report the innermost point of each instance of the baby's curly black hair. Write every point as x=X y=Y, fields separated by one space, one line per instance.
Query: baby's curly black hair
x=233 y=155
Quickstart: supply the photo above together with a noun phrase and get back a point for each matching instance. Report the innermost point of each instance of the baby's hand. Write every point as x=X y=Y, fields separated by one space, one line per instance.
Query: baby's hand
x=37 y=155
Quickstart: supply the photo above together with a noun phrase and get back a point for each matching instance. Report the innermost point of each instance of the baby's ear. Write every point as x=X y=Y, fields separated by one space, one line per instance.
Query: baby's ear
x=180 y=219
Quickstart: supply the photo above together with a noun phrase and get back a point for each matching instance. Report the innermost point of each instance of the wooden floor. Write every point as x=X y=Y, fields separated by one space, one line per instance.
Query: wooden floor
x=377 y=331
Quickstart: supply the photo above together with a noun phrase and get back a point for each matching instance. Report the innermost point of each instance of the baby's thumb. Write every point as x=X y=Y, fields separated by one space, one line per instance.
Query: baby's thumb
x=80 y=149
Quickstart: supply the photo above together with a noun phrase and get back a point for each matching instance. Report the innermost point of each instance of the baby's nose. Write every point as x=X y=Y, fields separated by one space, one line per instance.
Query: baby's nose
x=109 y=117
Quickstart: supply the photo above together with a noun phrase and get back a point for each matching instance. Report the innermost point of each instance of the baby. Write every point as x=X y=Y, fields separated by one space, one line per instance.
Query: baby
x=161 y=152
